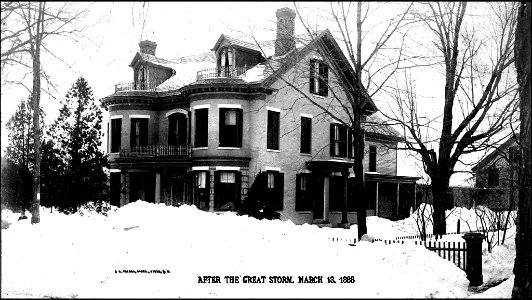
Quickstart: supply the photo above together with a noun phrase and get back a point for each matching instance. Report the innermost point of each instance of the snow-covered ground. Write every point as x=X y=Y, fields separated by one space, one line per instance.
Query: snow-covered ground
x=90 y=256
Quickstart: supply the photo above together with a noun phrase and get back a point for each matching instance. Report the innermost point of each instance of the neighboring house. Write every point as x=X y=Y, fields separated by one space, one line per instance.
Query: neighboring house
x=497 y=176
x=200 y=129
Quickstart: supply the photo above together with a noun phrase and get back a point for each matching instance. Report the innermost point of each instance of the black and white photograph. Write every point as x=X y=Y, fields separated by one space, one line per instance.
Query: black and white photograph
x=266 y=150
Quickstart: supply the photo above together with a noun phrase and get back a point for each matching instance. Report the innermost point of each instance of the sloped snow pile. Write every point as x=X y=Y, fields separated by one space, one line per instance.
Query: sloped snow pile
x=501 y=291
x=86 y=256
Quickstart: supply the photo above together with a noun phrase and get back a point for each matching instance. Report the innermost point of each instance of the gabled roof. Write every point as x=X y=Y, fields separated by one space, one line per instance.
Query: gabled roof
x=240 y=42
x=273 y=66
x=495 y=152
x=152 y=59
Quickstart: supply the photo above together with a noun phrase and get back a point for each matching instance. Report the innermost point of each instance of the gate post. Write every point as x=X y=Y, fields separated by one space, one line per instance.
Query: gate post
x=474 y=257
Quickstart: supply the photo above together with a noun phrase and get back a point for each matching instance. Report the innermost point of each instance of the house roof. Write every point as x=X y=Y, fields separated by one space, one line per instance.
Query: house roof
x=186 y=70
x=248 y=44
x=376 y=127
x=495 y=152
x=152 y=59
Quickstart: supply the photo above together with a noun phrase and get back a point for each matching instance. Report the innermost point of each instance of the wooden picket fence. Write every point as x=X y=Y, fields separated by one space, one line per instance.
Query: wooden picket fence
x=455 y=252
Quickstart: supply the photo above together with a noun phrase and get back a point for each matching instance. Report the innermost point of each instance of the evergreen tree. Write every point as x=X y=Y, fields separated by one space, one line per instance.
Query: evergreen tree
x=76 y=136
x=17 y=179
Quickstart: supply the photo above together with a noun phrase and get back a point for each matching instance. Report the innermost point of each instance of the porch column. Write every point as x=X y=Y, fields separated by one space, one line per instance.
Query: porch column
x=326 y=198
x=344 y=211
x=211 y=191
x=157 y=188
x=124 y=189
x=397 y=201
x=377 y=199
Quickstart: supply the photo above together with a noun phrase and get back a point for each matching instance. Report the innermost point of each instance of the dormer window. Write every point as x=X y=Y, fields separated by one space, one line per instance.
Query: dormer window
x=225 y=61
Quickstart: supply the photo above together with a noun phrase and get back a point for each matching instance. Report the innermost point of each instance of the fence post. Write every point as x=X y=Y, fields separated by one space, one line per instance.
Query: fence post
x=474 y=257
x=458 y=226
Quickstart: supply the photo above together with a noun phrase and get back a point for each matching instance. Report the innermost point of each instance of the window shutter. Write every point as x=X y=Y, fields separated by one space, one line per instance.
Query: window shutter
x=172 y=124
x=279 y=188
x=239 y=127
x=323 y=79
x=182 y=130
x=221 y=127
x=217 y=189
x=311 y=76
x=350 y=143
x=298 y=192
x=132 y=133
x=143 y=132
x=332 y=141
x=343 y=141
x=238 y=190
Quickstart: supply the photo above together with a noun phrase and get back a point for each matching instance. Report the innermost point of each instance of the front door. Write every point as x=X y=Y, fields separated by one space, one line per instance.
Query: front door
x=317 y=196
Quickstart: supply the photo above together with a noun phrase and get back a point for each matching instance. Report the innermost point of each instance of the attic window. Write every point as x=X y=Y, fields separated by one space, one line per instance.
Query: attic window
x=319 y=77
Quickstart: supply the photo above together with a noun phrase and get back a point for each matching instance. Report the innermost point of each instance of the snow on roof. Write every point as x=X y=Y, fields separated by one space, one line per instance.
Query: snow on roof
x=376 y=125
x=186 y=69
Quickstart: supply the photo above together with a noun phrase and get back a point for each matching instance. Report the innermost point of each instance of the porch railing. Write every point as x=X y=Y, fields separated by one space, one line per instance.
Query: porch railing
x=223 y=72
x=156 y=151
x=130 y=86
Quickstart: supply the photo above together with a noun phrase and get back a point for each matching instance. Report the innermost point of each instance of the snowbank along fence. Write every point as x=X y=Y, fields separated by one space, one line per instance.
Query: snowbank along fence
x=465 y=255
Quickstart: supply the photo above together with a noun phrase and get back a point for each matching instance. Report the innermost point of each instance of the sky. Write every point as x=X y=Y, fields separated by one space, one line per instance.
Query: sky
x=114 y=29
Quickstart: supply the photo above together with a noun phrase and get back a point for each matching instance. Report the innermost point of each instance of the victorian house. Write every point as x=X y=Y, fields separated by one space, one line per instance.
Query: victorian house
x=200 y=129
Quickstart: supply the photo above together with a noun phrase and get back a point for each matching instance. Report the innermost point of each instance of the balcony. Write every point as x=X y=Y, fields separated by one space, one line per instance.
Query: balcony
x=167 y=151
x=131 y=86
x=224 y=72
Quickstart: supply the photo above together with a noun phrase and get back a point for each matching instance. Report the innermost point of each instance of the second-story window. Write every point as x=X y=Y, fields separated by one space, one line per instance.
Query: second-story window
x=372 y=159
x=177 y=129
x=319 y=78
x=339 y=144
x=306 y=134
x=116 y=135
x=272 y=135
x=514 y=156
x=139 y=132
x=230 y=127
x=201 y=117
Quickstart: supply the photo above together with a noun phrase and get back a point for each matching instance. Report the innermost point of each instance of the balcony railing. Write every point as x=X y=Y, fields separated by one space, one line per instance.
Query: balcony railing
x=130 y=86
x=224 y=72
x=176 y=151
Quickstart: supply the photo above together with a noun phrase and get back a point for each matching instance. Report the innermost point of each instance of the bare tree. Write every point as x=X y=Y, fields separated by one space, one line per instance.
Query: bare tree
x=25 y=26
x=523 y=259
x=477 y=99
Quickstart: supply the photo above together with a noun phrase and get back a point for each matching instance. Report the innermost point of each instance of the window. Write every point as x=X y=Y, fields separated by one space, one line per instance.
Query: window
x=319 y=77
x=225 y=62
x=272 y=142
x=177 y=129
x=339 y=141
x=139 y=132
x=372 y=159
x=493 y=177
x=306 y=134
x=303 y=192
x=226 y=190
x=230 y=127
x=201 y=190
x=201 y=126
x=275 y=189
x=116 y=134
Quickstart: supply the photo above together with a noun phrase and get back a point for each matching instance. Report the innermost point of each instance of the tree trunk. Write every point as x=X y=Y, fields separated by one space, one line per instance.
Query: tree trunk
x=358 y=169
x=36 y=97
x=523 y=241
x=439 y=190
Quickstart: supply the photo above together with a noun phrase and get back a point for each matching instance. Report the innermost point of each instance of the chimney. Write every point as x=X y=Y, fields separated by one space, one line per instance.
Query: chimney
x=147 y=47
x=285 y=40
